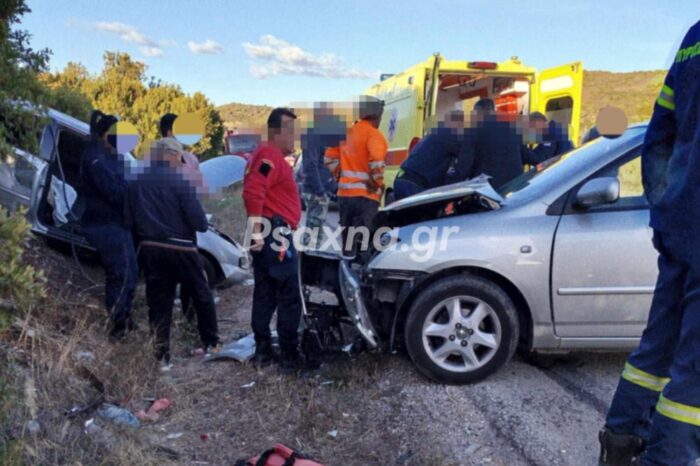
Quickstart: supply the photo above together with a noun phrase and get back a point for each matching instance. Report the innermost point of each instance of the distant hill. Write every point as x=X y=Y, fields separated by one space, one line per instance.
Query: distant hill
x=237 y=115
x=634 y=93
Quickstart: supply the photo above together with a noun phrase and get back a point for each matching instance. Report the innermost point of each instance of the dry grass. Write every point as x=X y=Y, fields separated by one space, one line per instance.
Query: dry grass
x=349 y=414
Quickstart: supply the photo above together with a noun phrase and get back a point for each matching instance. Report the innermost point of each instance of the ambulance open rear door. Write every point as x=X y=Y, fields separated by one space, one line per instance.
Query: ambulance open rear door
x=557 y=94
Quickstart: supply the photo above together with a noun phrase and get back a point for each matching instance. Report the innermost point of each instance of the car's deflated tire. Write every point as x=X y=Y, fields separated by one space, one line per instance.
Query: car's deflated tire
x=461 y=329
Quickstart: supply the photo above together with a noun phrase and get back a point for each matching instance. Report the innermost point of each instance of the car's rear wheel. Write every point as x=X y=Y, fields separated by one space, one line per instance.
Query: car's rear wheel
x=461 y=329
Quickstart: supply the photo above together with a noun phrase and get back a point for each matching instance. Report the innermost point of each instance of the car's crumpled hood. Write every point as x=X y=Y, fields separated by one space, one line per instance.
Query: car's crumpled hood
x=477 y=193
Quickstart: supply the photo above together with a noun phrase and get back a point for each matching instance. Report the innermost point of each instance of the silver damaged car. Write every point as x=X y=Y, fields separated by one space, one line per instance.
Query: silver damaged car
x=559 y=259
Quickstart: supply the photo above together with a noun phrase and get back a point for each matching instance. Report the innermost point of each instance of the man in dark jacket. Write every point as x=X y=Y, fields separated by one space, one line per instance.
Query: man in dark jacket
x=492 y=146
x=166 y=217
x=427 y=164
x=328 y=130
x=552 y=139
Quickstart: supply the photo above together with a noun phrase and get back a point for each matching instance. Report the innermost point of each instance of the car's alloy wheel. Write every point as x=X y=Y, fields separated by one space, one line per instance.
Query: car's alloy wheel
x=461 y=329
x=461 y=333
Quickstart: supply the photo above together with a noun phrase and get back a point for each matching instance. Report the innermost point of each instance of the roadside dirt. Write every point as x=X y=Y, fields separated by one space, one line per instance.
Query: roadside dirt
x=374 y=410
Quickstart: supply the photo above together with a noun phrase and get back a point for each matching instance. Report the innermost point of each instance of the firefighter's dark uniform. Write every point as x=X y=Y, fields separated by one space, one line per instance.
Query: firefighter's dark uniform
x=166 y=216
x=269 y=191
x=103 y=225
x=658 y=397
x=492 y=147
x=427 y=165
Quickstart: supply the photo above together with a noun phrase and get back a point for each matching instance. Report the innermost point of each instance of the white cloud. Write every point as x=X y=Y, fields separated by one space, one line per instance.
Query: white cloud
x=207 y=47
x=131 y=34
x=152 y=51
x=283 y=58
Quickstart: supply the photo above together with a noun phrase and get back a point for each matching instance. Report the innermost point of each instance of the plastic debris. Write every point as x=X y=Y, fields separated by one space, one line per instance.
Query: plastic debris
x=33 y=427
x=249 y=385
x=174 y=436
x=248 y=282
x=118 y=415
x=327 y=382
x=333 y=433
x=153 y=413
x=241 y=350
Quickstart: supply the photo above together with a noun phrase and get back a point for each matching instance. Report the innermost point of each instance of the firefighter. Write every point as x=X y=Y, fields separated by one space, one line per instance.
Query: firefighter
x=655 y=411
x=427 y=165
x=359 y=165
x=327 y=131
x=103 y=222
x=491 y=146
x=272 y=203
x=166 y=215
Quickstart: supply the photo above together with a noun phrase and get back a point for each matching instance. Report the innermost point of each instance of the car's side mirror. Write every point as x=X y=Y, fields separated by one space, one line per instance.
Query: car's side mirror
x=598 y=191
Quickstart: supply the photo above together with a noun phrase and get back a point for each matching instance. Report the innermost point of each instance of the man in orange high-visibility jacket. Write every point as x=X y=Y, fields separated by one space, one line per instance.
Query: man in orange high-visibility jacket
x=358 y=163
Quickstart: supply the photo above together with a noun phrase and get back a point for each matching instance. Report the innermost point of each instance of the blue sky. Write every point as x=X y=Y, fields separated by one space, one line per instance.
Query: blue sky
x=276 y=52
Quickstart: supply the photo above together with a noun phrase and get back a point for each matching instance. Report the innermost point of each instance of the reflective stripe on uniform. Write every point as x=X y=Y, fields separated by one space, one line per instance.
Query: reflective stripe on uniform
x=678 y=412
x=643 y=379
x=354 y=174
x=666 y=98
x=352 y=186
x=330 y=161
x=376 y=164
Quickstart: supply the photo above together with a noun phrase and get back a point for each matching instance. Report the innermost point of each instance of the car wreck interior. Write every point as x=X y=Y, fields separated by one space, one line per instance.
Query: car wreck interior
x=64 y=167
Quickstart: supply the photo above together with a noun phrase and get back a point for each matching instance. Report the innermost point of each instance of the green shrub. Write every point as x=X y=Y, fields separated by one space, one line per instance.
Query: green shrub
x=20 y=282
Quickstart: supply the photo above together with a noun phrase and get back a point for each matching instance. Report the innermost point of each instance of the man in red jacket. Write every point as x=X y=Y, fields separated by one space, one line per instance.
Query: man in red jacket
x=272 y=202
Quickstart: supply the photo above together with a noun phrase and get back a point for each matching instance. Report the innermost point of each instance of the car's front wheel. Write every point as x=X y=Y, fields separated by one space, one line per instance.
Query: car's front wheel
x=461 y=329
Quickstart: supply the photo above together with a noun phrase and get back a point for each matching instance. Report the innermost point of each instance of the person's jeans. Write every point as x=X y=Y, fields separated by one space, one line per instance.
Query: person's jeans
x=316 y=212
x=115 y=246
x=665 y=366
x=405 y=188
x=164 y=269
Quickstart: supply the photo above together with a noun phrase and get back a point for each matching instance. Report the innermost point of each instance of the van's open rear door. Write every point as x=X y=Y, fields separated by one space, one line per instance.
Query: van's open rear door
x=432 y=90
x=557 y=94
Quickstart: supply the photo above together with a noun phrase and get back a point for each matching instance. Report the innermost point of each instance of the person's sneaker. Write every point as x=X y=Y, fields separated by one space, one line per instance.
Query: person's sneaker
x=165 y=365
x=212 y=349
x=291 y=362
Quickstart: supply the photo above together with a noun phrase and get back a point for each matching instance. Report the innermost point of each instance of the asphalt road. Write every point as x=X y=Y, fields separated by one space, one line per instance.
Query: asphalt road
x=543 y=412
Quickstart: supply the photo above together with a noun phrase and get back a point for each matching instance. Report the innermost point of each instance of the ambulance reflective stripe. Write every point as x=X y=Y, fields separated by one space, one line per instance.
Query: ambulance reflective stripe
x=354 y=174
x=666 y=98
x=352 y=186
x=644 y=379
x=678 y=412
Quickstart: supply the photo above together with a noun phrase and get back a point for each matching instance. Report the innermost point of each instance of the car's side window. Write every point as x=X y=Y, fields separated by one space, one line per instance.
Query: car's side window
x=629 y=174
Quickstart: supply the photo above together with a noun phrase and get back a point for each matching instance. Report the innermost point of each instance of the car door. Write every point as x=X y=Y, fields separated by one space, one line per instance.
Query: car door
x=604 y=265
x=557 y=94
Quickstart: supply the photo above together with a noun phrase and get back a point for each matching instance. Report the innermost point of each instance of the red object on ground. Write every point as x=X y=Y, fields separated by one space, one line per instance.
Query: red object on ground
x=152 y=415
x=279 y=456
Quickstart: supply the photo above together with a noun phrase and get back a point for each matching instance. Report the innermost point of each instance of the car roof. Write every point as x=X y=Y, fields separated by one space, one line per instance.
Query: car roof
x=68 y=121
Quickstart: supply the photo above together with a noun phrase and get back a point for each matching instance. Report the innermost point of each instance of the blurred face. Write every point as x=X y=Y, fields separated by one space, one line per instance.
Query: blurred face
x=538 y=126
x=284 y=137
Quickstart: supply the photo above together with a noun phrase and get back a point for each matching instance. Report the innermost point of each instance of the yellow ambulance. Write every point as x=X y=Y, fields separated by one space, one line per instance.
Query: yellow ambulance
x=420 y=96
